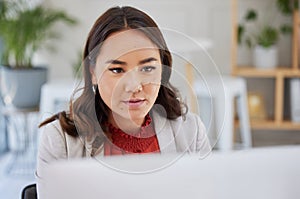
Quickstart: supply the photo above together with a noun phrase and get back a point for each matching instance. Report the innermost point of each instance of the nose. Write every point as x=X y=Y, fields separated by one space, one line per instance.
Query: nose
x=132 y=82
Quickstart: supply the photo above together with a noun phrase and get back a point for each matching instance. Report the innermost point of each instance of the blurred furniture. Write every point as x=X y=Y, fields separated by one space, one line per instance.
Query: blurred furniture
x=256 y=106
x=55 y=97
x=223 y=95
x=295 y=98
x=29 y=192
x=182 y=46
x=222 y=91
x=22 y=127
x=3 y=131
x=280 y=74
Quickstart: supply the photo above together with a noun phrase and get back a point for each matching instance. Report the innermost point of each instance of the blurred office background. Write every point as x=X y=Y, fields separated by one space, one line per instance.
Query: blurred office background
x=208 y=22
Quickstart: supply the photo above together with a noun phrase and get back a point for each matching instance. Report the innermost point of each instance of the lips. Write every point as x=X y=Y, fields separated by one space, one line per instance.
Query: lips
x=134 y=103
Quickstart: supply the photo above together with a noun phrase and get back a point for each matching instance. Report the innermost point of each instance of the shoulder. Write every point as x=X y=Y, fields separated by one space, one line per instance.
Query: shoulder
x=54 y=144
x=190 y=121
x=53 y=139
x=54 y=132
x=189 y=133
x=59 y=143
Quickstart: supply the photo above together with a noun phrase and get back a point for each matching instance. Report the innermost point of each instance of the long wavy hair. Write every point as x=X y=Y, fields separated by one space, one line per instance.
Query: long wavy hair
x=88 y=112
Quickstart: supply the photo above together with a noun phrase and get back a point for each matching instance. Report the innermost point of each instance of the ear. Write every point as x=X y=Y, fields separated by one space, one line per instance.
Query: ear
x=93 y=76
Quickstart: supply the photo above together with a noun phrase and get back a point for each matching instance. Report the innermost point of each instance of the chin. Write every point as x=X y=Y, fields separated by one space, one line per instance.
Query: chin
x=131 y=113
x=135 y=115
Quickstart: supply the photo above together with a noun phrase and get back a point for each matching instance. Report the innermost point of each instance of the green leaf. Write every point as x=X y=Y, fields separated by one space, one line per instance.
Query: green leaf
x=28 y=30
x=241 y=30
x=268 y=36
x=286 y=6
x=251 y=15
x=286 y=29
x=248 y=42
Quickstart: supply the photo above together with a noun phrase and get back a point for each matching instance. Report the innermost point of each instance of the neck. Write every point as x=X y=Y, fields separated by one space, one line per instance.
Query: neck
x=126 y=124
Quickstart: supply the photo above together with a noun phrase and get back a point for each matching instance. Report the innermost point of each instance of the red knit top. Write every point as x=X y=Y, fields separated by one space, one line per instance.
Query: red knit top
x=145 y=141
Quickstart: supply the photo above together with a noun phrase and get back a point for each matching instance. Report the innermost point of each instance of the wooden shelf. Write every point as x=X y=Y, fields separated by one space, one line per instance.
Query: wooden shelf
x=279 y=74
x=272 y=125
x=251 y=71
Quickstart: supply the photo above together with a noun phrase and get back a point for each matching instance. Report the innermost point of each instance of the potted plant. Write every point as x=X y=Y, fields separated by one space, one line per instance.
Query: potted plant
x=265 y=51
x=263 y=37
x=25 y=30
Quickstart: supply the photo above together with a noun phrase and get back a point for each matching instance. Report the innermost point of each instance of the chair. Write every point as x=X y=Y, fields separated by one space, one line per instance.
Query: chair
x=223 y=91
x=23 y=131
x=3 y=130
x=29 y=192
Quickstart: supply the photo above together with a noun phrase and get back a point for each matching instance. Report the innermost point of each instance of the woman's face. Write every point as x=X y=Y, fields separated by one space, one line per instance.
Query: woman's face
x=128 y=74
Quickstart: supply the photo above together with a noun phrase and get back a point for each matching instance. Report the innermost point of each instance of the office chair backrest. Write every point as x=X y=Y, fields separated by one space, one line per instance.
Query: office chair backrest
x=29 y=192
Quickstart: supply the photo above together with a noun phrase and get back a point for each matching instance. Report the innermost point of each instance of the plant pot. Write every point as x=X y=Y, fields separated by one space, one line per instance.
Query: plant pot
x=22 y=87
x=265 y=58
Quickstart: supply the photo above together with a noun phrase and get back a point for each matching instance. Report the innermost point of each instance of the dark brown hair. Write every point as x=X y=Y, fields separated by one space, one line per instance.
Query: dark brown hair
x=88 y=111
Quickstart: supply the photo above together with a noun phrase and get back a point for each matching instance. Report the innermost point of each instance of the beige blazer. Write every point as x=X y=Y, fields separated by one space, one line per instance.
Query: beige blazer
x=181 y=135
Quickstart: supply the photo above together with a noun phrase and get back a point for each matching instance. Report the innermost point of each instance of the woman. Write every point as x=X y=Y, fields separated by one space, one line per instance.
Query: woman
x=127 y=104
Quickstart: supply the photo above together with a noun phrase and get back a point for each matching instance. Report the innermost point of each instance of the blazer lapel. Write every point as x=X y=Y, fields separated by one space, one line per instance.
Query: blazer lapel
x=164 y=133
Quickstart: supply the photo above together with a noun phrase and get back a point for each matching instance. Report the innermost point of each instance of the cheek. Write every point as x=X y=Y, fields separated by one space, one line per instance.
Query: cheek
x=107 y=89
x=152 y=90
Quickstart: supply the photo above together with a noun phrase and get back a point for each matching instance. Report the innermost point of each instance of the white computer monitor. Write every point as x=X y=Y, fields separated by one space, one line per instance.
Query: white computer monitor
x=257 y=173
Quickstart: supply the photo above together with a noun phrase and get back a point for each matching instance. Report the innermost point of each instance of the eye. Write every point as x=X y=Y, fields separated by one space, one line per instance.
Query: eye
x=116 y=70
x=148 y=69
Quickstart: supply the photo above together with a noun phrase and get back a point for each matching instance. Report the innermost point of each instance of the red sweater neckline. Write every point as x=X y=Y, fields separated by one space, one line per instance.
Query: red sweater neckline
x=145 y=141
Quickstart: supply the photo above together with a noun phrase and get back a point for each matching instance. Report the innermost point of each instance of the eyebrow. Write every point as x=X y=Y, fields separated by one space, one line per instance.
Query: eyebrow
x=150 y=59
x=118 y=62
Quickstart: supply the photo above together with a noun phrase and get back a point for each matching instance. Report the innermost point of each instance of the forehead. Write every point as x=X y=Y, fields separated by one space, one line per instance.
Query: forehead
x=126 y=42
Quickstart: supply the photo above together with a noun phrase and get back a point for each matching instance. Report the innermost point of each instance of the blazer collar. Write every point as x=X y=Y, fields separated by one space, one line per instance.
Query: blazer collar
x=164 y=133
